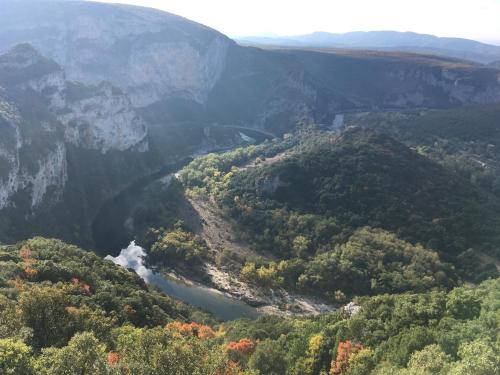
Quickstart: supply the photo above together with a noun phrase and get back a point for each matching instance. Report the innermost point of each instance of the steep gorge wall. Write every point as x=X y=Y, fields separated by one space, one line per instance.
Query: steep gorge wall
x=149 y=54
x=125 y=89
x=45 y=122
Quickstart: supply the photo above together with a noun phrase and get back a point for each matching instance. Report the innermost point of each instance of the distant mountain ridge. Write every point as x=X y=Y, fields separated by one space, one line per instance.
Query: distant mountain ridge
x=154 y=88
x=389 y=41
x=495 y=64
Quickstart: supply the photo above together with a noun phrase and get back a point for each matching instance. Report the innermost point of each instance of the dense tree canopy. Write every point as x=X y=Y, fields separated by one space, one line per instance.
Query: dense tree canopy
x=74 y=313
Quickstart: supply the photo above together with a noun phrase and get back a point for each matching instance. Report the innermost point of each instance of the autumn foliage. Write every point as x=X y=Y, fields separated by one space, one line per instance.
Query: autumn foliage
x=18 y=283
x=113 y=358
x=25 y=253
x=244 y=346
x=84 y=287
x=344 y=352
x=232 y=368
x=191 y=329
x=27 y=256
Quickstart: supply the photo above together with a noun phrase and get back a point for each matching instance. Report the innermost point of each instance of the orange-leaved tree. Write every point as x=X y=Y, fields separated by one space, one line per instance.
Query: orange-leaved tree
x=344 y=352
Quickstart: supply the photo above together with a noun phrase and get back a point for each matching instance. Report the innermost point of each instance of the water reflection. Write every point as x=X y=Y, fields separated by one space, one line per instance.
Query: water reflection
x=211 y=300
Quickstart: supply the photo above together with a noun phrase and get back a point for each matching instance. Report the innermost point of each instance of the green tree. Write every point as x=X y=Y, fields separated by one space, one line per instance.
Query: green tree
x=268 y=359
x=429 y=360
x=301 y=246
x=15 y=358
x=43 y=309
x=361 y=363
x=11 y=325
x=463 y=303
x=84 y=355
x=178 y=246
x=400 y=347
x=477 y=357
x=157 y=351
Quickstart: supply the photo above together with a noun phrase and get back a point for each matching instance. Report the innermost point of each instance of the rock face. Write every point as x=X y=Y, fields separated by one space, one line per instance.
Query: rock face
x=163 y=70
x=178 y=71
x=48 y=171
x=102 y=118
x=41 y=113
x=121 y=89
x=276 y=89
x=99 y=117
x=352 y=309
x=150 y=54
x=32 y=154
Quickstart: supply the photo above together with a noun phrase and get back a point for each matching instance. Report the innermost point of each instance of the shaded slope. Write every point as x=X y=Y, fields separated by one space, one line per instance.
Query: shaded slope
x=63 y=146
x=368 y=179
x=277 y=89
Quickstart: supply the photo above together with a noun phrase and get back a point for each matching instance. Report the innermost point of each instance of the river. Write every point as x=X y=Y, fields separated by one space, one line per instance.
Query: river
x=110 y=236
x=211 y=300
x=108 y=229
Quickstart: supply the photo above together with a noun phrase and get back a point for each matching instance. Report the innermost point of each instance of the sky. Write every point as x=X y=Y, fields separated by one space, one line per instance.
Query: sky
x=473 y=19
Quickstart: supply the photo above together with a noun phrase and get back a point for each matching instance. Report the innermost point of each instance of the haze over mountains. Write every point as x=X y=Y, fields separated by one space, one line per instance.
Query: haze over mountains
x=388 y=41
x=321 y=210
x=124 y=84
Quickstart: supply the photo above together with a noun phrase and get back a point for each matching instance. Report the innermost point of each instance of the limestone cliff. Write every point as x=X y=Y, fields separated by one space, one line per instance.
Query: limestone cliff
x=148 y=53
x=41 y=112
x=180 y=72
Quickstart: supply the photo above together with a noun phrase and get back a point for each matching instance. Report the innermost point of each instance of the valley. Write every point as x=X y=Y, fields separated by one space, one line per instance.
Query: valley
x=173 y=201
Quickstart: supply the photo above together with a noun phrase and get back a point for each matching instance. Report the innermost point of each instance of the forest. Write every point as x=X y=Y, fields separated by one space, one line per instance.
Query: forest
x=379 y=223
x=356 y=214
x=178 y=201
x=67 y=311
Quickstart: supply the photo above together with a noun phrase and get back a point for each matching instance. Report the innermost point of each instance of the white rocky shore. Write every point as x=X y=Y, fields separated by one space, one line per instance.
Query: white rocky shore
x=277 y=302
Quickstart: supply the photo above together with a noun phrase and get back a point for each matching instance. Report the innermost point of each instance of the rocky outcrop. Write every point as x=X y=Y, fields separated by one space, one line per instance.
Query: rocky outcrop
x=32 y=149
x=268 y=185
x=150 y=54
x=97 y=117
x=102 y=119
x=33 y=174
x=41 y=112
x=352 y=309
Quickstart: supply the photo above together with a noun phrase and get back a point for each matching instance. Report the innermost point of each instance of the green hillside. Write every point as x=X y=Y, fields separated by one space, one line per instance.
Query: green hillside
x=66 y=311
x=364 y=178
x=357 y=214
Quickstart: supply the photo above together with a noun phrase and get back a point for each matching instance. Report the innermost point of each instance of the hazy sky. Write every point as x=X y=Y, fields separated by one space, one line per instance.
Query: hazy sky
x=475 y=19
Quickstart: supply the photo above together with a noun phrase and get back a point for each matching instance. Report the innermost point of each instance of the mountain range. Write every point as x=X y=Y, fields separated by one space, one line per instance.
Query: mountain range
x=89 y=88
x=459 y=48
x=319 y=210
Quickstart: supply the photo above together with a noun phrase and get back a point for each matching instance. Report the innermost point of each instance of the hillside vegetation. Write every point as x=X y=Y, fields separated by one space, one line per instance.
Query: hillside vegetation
x=65 y=311
x=175 y=88
x=466 y=140
x=355 y=214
